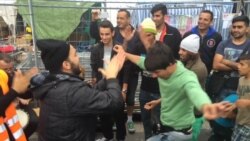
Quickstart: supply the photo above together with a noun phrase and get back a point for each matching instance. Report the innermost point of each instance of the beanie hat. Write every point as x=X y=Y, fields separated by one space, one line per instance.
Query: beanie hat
x=191 y=43
x=53 y=53
x=148 y=25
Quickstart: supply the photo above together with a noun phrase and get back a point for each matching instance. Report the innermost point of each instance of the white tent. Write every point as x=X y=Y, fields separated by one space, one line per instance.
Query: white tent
x=8 y=13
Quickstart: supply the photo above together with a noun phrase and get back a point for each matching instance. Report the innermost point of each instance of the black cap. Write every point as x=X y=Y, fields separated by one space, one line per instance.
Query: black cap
x=53 y=53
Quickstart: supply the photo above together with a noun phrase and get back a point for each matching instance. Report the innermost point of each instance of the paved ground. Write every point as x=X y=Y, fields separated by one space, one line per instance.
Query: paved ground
x=139 y=135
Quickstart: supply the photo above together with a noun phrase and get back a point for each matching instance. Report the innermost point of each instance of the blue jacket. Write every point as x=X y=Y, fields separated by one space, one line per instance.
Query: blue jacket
x=208 y=45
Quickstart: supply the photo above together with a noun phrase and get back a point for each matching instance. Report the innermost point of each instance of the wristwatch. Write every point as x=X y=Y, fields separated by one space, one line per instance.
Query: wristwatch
x=124 y=91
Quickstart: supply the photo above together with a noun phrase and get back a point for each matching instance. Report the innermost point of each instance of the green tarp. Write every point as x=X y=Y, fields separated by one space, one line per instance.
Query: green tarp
x=51 y=19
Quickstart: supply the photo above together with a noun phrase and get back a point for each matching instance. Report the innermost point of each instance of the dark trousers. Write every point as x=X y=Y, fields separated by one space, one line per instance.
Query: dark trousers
x=107 y=122
x=220 y=133
x=150 y=119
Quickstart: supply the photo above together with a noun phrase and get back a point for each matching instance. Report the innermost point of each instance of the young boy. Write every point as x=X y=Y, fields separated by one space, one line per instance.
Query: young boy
x=242 y=127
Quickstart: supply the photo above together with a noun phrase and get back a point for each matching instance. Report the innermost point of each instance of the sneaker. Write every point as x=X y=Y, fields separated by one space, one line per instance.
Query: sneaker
x=104 y=139
x=131 y=127
x=114 y=127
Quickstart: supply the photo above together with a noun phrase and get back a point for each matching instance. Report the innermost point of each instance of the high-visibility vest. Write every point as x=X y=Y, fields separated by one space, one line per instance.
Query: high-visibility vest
x=10 y=119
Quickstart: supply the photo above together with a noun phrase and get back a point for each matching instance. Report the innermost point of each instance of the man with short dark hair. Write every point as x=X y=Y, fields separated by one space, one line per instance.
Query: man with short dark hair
x=180 y=92
x=228 y=52
x=209 y=38
x=68 y=104
x=225 y=65
x=129 y=80
x=100 y=53
x=166 y=33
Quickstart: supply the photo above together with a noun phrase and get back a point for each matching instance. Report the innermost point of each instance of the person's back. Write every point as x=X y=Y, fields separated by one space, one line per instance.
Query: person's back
x=68 y=104
x=66 y=112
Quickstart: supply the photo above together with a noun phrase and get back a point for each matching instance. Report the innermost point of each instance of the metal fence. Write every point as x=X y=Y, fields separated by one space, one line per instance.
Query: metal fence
x=70 y=20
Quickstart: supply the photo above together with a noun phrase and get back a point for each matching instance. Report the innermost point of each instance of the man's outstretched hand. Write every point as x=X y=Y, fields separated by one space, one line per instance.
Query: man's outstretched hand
x=216 y=110
x=114 y=66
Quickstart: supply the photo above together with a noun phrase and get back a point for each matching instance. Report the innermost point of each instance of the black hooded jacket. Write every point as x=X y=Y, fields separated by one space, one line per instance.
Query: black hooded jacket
x=69 y=106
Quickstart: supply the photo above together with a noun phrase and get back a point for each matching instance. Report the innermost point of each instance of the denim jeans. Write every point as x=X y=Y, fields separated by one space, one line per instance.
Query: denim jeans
x=149 y=117
x=171 y=136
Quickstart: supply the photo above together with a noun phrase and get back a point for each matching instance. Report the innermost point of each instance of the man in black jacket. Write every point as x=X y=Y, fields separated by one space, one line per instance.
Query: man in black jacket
x=100 y=53
x=166 y=33
x=69 y=105
x=128 y=80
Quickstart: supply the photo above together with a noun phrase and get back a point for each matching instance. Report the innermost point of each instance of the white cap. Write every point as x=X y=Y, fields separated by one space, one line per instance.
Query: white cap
x=191 y=43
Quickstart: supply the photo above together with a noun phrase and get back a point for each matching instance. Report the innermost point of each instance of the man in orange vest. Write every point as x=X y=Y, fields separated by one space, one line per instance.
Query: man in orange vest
x=10 y=128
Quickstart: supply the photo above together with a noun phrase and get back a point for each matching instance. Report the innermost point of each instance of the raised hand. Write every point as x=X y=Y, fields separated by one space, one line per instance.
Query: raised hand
x=21 y=80
x=114 y=66
x=119 y=49
x=128 y=33
x=216 y=110
x=144 y=38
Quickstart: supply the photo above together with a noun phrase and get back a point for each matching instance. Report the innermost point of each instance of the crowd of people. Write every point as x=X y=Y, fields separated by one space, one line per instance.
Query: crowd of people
x=185 y=80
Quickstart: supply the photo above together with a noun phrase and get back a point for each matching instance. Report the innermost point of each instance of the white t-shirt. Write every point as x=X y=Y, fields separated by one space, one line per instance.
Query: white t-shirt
x=158 y=35
x=107 y=55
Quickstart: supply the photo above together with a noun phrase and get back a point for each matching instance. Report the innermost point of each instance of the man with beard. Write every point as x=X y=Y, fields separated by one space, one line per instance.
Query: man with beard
x=209 y=38
x=230 y=50
x=190 y=57
x=225 y=64
x=68 y=105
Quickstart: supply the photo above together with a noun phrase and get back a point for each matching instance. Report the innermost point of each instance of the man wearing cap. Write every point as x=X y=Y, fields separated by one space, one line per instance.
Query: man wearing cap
x=149 y=89
x=68 y=105
x=189 y=55
x=191 y=59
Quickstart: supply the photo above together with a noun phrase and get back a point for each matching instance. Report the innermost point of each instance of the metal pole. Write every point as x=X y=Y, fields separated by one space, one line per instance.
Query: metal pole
x=33 y=31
